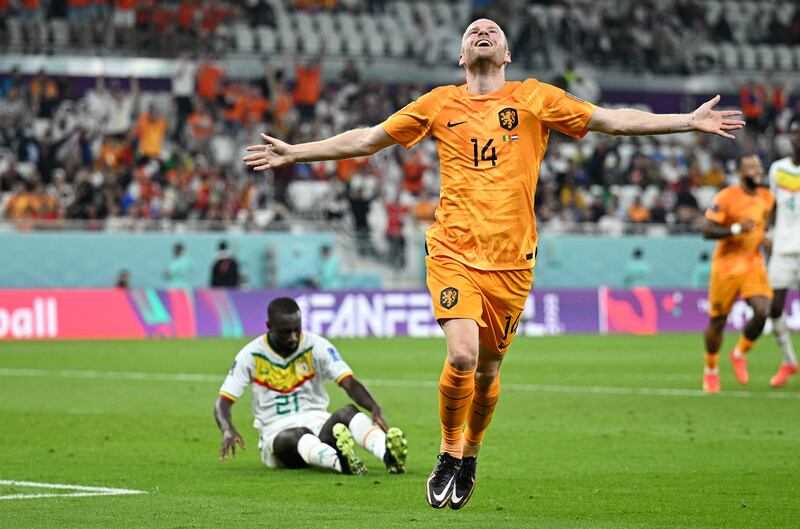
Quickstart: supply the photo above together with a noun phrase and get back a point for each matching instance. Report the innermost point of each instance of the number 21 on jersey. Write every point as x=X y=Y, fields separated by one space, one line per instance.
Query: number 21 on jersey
x=287 y=404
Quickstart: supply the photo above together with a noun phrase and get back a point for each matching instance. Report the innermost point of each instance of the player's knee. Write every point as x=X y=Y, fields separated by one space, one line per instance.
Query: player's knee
x=717 y=325
x=462 y=361
x=462 y=356
x=345 y=415
x=761 y=312
x=485 y=380
x=776 y=305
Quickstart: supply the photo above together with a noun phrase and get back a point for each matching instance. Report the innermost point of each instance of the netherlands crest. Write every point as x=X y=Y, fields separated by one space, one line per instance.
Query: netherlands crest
x=508 y=118
x=448 y=297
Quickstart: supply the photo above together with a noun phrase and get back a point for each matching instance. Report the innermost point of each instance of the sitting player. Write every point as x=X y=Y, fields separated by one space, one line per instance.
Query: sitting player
x=290 y=404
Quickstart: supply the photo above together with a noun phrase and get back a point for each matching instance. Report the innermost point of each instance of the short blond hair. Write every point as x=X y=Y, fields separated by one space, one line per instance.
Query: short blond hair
x=464 y=36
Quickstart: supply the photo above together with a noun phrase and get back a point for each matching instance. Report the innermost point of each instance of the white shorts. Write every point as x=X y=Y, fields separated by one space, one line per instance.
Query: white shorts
x=784 y=270
x=313 y=420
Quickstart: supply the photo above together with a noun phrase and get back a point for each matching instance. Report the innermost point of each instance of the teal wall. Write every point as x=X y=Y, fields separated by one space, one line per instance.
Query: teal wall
x=566 y=261
x=81 y=259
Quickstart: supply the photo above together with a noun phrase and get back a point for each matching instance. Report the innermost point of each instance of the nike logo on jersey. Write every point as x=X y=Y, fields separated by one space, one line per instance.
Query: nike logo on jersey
x=451 y=125
x=440 y=497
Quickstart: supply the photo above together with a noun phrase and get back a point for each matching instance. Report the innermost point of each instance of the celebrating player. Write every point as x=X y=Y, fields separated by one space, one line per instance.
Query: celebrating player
x=738 y=217
x=491 y=136
x=288 y=368
x=784 y=263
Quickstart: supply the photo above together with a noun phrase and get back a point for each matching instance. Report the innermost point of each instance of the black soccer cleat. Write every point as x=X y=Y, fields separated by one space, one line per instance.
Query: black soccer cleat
x=464 y=483
x=396 y=451
x=440 y=483
x=346 y=449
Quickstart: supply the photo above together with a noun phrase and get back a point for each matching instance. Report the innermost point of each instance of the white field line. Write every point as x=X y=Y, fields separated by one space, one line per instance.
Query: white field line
x=79 y=490
x=542 y=388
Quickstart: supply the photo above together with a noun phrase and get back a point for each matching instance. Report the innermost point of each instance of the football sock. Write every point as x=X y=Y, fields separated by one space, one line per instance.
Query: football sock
x=368 y=434
x=710 y=371
x=711 y=360
x=784 y=339
x=743 y=347
x=455 y=394
x=318 y=454
x=480 y=415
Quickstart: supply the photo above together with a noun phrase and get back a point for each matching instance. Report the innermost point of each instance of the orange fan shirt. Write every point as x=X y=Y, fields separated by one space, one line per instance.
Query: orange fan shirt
x=490 y=149
x=737 y=254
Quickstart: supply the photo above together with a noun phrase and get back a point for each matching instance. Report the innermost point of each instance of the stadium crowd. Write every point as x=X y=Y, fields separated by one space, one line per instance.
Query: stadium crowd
x=119 y=157
x=669 y=36
x=129 y=156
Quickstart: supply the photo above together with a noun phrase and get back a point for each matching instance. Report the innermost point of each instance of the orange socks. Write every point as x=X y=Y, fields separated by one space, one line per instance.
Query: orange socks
x=480 y=415
x=744 y=345
x=455 y=396
x=711 y=360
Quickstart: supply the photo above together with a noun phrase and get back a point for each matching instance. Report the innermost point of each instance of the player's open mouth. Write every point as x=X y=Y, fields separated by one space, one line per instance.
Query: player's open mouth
x=483 y=43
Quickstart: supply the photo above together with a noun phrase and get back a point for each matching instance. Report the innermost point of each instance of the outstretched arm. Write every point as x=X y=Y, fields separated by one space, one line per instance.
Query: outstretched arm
x=629 y=122
x=350 y=144
x=361 y=396
x=230 y=437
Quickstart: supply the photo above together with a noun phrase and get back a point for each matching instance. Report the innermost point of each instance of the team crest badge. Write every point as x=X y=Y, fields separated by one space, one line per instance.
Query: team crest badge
x=301 y=368
x=448 y=298
x=508 y=118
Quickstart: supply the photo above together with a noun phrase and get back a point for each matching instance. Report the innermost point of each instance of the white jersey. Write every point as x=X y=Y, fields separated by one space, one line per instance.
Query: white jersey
x=285 y=388
x=784 y=182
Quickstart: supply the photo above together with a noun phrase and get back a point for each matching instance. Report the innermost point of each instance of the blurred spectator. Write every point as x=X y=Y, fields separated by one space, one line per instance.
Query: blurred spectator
x=199 y=129
x=395 y=217
x=225 y=270
x=637 y=271
x=308 y=87
x=637 y=212
x=360 y=203
x=151 y=127
x=125 y=21
x=210 y=77
x=183 y=88
x=701 y=272
x=123 y=280
x=179 y=270
x=44 y=94
x=328 y=277
x=612 y=222
x=531 y=44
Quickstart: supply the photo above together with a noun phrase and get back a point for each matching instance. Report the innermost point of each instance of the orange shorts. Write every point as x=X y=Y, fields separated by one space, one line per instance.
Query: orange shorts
x=724 y=288
x=494 y=299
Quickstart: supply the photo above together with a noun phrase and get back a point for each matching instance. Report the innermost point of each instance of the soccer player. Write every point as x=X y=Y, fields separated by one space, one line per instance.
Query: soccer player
x=290 y=405
x=491 y=136
x=738 y=217
x=784 y=263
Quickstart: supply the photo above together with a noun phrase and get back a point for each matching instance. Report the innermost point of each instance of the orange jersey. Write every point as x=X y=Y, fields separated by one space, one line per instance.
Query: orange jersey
x=490 y=149
x=739 y=253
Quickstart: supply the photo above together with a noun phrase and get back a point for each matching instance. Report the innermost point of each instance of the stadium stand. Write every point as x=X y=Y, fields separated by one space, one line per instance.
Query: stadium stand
x=117 y=156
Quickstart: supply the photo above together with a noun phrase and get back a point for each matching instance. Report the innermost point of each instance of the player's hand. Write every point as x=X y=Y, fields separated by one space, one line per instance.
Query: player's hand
x=705 y=119
x=377 y=418
x=274 y=153
x=230 y=438
x=748 y=226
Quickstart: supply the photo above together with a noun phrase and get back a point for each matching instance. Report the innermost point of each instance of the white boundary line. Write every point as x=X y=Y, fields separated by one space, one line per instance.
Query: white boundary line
x=82 y=490
x=542 y=388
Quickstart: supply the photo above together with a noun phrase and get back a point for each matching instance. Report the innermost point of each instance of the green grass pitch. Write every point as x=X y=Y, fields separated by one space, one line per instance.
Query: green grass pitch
x=600 y=432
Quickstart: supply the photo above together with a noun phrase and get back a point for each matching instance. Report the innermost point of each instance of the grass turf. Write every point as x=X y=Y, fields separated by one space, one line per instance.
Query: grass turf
x=588 y=433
